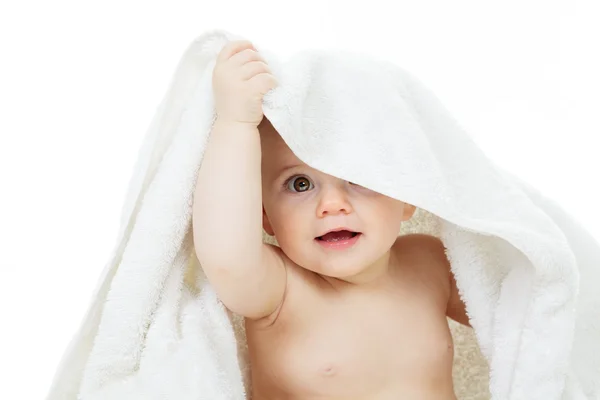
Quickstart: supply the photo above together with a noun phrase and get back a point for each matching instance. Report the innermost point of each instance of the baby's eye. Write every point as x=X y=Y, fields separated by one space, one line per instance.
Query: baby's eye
x=299 y=184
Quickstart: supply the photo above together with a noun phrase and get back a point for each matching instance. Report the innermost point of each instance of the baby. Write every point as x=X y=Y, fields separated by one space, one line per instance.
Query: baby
x=343 y=308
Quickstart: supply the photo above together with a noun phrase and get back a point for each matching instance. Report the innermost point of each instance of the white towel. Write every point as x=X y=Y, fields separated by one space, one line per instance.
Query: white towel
x=526 y=270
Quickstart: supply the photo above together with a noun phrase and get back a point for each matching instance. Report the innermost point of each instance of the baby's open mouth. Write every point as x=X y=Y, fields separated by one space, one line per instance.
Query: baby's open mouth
x=337 y=236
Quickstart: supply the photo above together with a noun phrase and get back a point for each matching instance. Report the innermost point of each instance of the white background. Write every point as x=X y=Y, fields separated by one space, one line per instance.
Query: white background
x=80 y=81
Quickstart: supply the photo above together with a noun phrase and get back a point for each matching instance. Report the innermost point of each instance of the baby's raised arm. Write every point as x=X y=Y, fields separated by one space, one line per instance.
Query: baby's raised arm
x=248 y=276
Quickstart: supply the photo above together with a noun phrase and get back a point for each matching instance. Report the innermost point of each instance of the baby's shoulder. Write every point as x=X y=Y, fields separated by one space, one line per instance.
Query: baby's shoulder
x=425 y=255
x=419 y=245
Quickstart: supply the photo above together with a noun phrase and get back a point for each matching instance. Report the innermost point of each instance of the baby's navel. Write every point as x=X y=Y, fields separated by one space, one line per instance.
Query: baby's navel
x=328 y=370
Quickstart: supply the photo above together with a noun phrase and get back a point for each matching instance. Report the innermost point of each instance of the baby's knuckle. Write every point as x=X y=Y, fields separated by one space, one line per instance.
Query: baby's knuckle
x=262 y=83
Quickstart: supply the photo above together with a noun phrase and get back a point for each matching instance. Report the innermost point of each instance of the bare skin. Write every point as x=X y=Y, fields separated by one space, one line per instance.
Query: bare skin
x=364 y=323
x=385 y=340
x=378 y=333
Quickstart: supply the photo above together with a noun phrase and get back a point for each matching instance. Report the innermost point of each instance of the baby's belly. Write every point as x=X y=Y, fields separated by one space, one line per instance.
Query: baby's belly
x=334 y=360
x=390 y=392
x=393 y=393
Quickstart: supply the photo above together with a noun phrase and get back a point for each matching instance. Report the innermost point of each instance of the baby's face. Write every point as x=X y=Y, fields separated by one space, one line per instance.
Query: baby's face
x=301 y=203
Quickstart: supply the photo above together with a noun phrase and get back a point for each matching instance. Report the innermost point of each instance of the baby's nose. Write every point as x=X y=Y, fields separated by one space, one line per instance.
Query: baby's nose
x=333 y=201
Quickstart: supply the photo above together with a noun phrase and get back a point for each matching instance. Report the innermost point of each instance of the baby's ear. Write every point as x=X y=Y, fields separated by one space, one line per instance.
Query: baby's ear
x=266 y=224
x=409 y=211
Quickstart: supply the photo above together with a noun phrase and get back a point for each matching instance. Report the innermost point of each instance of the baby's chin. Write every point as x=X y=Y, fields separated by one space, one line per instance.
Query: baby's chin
x=338 y=269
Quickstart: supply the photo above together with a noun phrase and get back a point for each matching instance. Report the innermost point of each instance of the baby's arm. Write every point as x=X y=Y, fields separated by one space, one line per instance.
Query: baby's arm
x=456 y=307
x=436 y=253
x=248 y=275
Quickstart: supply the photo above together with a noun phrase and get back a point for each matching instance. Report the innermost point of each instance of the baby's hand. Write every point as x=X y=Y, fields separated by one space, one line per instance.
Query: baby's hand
x=241 y=78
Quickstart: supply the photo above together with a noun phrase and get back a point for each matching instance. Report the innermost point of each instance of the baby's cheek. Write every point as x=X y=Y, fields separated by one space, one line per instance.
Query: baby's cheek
x=293 y=235
x=394 y=209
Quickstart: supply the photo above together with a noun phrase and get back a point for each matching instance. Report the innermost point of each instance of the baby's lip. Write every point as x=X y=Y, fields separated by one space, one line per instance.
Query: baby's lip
x=343 y=228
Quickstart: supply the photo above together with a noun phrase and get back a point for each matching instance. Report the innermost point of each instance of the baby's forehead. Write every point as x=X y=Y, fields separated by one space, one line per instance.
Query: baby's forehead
x=275 y=152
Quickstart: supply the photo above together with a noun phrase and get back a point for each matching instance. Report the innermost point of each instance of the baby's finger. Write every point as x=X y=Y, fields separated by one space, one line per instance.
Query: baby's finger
x=254 y=68
x=246 y=56
x=234 y=47
x=265 y=82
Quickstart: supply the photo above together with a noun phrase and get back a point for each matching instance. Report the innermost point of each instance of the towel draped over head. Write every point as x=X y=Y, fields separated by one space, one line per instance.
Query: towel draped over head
x=525 y=268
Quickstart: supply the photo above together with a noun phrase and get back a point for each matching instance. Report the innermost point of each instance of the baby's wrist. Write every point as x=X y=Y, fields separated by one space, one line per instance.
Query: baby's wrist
x=231 y=123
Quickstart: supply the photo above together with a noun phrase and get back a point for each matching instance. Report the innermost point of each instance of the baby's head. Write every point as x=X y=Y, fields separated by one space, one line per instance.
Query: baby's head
x=301 y=204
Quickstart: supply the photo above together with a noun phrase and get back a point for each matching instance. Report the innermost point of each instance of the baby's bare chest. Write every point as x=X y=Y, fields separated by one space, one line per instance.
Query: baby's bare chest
x=348 y=345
